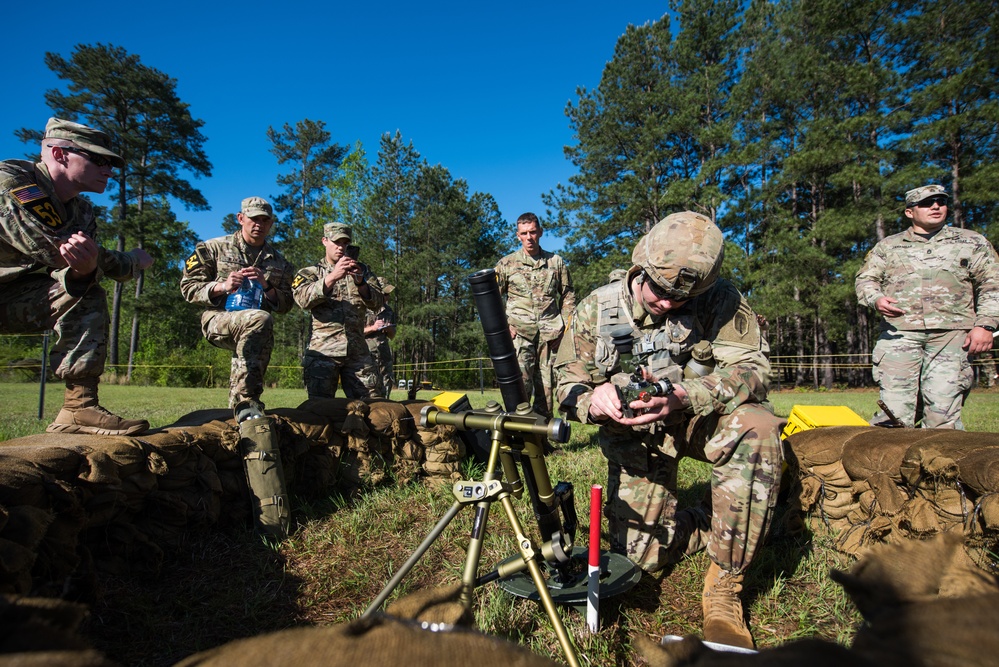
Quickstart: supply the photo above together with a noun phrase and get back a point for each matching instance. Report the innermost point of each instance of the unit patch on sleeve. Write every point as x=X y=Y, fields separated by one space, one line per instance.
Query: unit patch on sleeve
x=37 y=203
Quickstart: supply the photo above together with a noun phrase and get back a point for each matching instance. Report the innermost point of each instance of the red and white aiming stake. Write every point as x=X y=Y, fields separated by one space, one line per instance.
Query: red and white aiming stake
x=593 y=572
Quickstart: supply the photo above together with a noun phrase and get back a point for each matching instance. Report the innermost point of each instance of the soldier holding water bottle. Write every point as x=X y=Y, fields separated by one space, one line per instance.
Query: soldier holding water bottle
x=241 y=279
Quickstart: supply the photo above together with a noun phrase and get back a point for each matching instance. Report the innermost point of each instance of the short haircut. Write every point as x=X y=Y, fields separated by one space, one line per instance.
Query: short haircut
x=527 y=219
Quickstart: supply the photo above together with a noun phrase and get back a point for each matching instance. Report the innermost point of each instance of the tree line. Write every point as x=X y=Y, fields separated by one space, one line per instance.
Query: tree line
x=796 y=126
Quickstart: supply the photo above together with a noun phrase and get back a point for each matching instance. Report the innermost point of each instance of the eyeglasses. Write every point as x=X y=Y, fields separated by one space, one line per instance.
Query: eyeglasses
x=928 y=203
x=98 y=160
x=662 y=293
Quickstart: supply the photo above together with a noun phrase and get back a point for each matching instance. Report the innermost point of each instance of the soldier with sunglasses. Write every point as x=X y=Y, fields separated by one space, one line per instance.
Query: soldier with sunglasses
x=668 y=309
x=937 y=288
x=51 y=266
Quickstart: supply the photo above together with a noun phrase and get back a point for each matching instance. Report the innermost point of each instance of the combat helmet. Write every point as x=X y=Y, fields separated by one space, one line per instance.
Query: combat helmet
x=682 y=254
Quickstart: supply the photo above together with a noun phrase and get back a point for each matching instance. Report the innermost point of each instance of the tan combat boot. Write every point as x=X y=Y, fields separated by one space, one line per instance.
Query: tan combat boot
x=81 y=413
x=723 y=619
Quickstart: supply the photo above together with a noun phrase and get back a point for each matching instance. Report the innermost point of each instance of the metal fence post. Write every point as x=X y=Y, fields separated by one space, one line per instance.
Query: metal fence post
x=45 y=372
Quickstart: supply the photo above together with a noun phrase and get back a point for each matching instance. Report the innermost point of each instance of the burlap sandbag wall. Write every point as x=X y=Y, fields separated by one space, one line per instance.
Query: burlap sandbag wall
x=73 y=504
x=872 y=485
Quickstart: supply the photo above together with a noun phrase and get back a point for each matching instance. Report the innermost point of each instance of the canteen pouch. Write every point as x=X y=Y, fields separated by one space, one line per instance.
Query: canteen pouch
x=265 y=476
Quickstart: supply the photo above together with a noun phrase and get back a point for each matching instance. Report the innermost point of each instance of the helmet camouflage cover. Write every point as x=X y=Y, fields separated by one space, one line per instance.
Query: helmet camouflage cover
x=682 y=254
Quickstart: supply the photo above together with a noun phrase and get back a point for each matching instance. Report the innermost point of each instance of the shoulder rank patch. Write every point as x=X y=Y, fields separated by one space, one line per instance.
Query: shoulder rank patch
x=299 y=279
x=37 y=203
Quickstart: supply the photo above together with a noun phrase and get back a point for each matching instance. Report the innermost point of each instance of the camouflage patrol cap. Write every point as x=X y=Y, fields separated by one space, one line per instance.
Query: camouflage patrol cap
x=916 y=195
x=335 y=231
x=255 y=206
x=83 y=136
x=682 y=254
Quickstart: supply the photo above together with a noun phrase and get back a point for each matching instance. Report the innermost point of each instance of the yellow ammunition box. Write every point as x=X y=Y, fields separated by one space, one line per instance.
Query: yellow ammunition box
x=452 y=401
x=804 y=417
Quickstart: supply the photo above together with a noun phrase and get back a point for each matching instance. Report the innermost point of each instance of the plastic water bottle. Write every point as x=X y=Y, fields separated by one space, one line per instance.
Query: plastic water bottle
x=249 y=296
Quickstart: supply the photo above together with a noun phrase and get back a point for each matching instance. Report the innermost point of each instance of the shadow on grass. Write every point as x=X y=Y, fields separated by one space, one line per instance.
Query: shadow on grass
x=222 y=586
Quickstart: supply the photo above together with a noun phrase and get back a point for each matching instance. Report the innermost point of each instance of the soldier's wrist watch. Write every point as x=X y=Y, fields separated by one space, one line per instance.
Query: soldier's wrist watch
x=988 y=327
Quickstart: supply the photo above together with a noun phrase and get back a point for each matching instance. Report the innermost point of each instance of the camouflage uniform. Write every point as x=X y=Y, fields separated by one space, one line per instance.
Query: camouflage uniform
x=946 y=285
x=337 y=350
x=539 y=305
x=37 y=293
x=249 y=334
x=728 y=424
x=379 y=347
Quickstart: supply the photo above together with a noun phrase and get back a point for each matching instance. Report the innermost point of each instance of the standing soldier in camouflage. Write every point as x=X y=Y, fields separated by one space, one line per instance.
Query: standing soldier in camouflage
x=379 y=329
x=336 y=292
x=938 y=290
x=671 y=304
x=51 y=266
x=539 y=305
x=218 y=268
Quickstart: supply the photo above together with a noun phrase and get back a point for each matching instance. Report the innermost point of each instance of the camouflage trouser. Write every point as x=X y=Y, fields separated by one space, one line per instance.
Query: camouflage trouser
x=745 y=451
x=927 y=365
x=36 y=302
x=322 y=375
x=250 y=336
x=536 y=360
x=381 y=355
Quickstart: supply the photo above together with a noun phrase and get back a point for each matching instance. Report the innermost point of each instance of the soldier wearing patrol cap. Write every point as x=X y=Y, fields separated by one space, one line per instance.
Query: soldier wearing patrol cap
x=937 y=288
x=379 y=329
x=51 y=266
x=220 y=267
x=539 y=304
x=336 y=292
x=670 y=302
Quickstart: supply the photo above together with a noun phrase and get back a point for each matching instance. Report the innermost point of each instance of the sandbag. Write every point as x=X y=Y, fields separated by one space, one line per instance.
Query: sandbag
x=379 y=641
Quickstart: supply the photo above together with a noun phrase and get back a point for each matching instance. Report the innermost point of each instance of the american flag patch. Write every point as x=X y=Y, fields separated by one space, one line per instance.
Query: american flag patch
x=28 y=193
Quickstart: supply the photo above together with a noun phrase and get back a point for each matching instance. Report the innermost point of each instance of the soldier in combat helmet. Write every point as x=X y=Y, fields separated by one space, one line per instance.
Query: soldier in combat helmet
x=539 y=304
x=937 y=288
x=670 y=301
x=51 y=266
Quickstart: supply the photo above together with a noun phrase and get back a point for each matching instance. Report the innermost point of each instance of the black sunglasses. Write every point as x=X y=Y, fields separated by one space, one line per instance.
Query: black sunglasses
x=663 y=293
x=928 y=203
x=98 y=160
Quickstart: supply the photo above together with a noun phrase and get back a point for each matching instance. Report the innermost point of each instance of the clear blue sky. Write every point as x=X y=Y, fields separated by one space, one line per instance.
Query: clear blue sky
x=479 y=88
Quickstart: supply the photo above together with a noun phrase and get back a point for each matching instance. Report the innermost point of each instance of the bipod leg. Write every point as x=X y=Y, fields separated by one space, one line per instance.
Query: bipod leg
x=527 y=553
x=413 y=560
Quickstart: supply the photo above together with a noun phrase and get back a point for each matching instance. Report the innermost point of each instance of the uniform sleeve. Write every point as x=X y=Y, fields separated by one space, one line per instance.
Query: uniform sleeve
x=984 y=273
x=742 y=370
x=118 y=266
x=283 y=297
x=376 y=299
x=870 y=278
x=307 y=288
x=576 y=372
x=200 y=273
x=568 y=294
x=502 y=276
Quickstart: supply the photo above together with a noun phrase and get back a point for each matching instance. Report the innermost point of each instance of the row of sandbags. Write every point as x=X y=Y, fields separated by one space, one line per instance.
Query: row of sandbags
x=72 y=504
x=921 y=605
x=873 y=484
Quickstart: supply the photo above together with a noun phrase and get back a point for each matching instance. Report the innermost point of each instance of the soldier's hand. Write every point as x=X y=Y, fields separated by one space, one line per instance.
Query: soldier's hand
x=886 y=306
x=655 y=409
x=233 y=282
x=978 y=340
x=344 y=266
x=80 y=252
x=142 y=258
x=254 y=273
x=605 y=403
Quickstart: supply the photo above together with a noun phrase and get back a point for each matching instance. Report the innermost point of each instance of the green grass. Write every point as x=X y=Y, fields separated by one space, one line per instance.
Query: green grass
x=223 y=586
